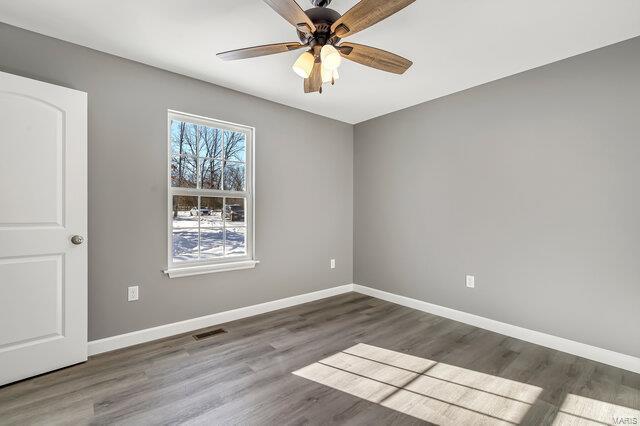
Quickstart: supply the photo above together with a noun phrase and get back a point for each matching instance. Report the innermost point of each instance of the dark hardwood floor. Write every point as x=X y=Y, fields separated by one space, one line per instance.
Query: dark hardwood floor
x=245 y=376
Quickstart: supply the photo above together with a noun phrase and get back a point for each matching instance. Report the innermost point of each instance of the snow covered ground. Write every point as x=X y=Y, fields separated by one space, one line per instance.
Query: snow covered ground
x=210 y=237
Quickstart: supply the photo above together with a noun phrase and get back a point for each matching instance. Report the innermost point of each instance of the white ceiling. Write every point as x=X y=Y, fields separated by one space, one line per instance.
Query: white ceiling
x=454 y=44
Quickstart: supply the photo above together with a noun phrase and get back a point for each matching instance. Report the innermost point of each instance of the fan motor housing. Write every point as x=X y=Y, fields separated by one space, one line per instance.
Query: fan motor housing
x=321 y=3
x=322 y=18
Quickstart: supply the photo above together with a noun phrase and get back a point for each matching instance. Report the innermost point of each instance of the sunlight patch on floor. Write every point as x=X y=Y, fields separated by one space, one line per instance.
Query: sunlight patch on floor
x=422 y=388
x=578 y=410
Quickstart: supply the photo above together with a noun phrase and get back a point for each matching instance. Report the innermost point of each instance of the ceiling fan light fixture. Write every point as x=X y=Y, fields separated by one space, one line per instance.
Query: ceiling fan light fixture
x=304 y=65
x=329 y=76
x=330 y=57
x=319 y=30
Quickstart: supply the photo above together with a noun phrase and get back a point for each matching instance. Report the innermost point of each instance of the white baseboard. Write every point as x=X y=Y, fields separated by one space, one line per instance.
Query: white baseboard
x=141 y=336
x=594 y=353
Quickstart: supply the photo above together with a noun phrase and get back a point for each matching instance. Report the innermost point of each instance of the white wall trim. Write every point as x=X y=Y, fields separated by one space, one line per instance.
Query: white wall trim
x=210 y=268
x=141 y=336
x=594 y=353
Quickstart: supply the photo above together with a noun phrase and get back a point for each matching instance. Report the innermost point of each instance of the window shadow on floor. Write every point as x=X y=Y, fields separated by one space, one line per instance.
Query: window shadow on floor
x=445 y=394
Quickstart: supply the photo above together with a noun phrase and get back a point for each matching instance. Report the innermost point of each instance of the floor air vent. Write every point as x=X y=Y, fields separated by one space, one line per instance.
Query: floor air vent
x=208 y=334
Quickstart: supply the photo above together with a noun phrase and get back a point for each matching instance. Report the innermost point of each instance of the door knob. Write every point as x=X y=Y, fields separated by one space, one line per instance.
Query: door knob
x=77 y=240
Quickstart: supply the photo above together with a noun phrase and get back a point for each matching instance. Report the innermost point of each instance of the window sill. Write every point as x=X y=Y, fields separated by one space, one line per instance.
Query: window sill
x=188 y=271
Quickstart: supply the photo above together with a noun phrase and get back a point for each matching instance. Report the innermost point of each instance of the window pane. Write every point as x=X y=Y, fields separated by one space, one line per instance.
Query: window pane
x=183 y=172
x=234 y=176
x=183 y=138
x=176 y=137
x=211 y=243
x=185 y=245
x=234 y=211
x=236 y=241
x=185 y=211
x=210 y=161
x=210 y=142
x=235 y=146
x=211 y=173
x=211 y=212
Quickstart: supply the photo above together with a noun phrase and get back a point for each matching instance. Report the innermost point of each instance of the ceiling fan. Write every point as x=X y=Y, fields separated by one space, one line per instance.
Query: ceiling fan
x=321 y=30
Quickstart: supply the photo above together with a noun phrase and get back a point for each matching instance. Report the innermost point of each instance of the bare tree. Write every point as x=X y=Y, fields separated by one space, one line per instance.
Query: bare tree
x=178 y=175
x=234 y=176
x=234 y=146
x=210 y=150
x=215 y=149
x=234 y=155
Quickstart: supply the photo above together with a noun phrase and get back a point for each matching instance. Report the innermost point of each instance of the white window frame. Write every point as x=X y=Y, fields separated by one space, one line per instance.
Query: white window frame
x=231 y=263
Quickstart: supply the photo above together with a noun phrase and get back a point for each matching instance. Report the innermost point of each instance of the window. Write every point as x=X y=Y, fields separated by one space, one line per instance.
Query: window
x=210 y=206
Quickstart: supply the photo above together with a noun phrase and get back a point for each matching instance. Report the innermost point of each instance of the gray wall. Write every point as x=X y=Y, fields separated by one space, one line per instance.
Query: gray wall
x=304 y=191
x=532 y=183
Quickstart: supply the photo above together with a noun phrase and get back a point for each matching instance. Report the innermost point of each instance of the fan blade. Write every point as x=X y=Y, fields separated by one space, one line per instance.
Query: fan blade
x=293 y=13
x=365 y=14
x=375 y=58
x=252 y=52
x=314 y=82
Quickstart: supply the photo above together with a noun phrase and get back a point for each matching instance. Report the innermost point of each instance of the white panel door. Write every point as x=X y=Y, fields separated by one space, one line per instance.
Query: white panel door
x=43 y=218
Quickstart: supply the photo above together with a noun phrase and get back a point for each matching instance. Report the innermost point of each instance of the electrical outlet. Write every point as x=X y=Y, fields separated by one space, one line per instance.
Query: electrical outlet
x=132 y=293
x=333 y=264
x=471 y=281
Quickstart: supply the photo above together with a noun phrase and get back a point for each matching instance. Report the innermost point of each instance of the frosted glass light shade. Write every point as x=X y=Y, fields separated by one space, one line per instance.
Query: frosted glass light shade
x=329 y=76
x=330 y=57
x=304 y=65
